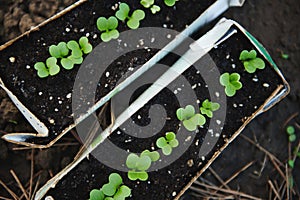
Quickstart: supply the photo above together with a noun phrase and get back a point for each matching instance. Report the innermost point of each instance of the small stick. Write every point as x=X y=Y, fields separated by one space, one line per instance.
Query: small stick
x=36 y=187
x=9 y=190
x=238 y=172
x=4 y=198
x=262 y=149
x=55 y=145
x=218 y=178
x=274 y=190
x=19 y=184
x=31 y=172
x=290 y=118
x=228 y=191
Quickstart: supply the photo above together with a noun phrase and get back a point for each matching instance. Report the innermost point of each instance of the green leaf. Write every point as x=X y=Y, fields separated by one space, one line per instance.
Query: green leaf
x=185 y=113
x=155 y=9
x=109 y=198
x=112 y=23
x=170 y=136
x=42 y=71
x=54 y=51
x=161 y=142
x=131 y=161
x=206 y=112
x=67 y=63
x=147 y=3
x=133 y=23
x=132 y=175
x=76 y=60
x=52 y=66
x=224 y=79
x=114 y=34
x=143 y=176
x=170 y=3
x=291 y=163
x=115 y=179
x=109 y=189
x=234 y=77
x=73 y=45
x=138 y=15
x=102 y=24
x=246 y=55
x=64 y=51
x=143 y=163
x=122 y=193
x=290 y=130
x=292 y=138
x=123 y=11
x=96 y=195
x=230 y=90
x=174 y=143
x=192 y=123
x=215 y=106
x=154 y=156
x=237 y=85
x=167 y=150
x=85 y=45
x=105 y=37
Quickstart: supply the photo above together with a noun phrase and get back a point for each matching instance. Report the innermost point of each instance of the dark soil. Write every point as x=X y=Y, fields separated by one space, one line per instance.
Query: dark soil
x=275 y=24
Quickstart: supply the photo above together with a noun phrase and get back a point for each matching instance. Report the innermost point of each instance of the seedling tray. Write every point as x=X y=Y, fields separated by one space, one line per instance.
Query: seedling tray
x=46 y=103
x=261 y=90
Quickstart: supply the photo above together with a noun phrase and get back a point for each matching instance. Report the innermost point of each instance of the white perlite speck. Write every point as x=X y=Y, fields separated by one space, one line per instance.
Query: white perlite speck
x=12 y=59
x=40 y=93
x=69 y=96
x=27 y=67
x=107 y=74
x=266 y=85
x=174 y=194
x=68 y=30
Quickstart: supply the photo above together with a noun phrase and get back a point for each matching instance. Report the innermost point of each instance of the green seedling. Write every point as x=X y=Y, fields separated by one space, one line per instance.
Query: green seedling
x=250 y=61
x=291 y=163
x=167 y=143
x=108 y=27
x=51 y=68
x=290 y=130
x=133 y=20
x=138 y=166
x=59 y=51
x=113 y=190
x=77 y=51
x=285 y=56
x=208 y=108
x=170 y=2
x=150 y=4
x=190 y=119
x=231 y=82
x=154 y=155
x=85 y=45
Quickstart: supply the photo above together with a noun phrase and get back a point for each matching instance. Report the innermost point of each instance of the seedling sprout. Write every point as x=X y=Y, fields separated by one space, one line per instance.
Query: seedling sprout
x=51 y=68
x=170 y=2
x=190 y=119
x=59 y=51
x=138 y=166
x=114 y=189
x=208 y=108
x=250 y=61
x=150 y=4
x=231 y=82
x=108 y=27
x=133 y=20
x=167 y=143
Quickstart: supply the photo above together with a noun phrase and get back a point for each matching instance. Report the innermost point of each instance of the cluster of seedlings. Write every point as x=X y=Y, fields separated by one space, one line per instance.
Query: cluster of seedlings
x=191 y=120
x=68 y=54
x=132 y=18
x=251 y=63
x=107 y=27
